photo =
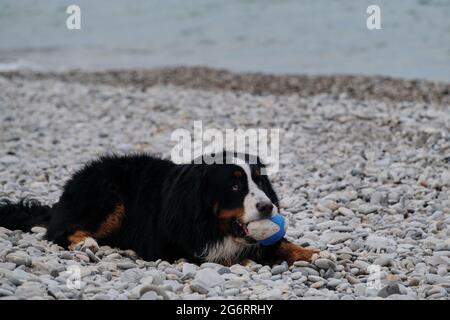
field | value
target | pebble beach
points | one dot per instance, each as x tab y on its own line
364	177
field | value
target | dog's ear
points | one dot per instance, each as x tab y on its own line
266	186
187	205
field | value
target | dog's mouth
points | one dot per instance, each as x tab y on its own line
241	228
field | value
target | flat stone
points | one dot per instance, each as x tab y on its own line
360	289
333	282
126	265
318	284
173	271
279	269
301	264
377	198
434	279
209	277
198	287
307	271
9	159
384	261
315	278
335	237
342	229
210	265
223	270
91	255
324	264
19	258
7	265
5	293
380	243
231	292
346	212
189	268
368	209
352	280
362	265
4	231
150	295
390	289
38	230
413	282
238	269
296	275
66	255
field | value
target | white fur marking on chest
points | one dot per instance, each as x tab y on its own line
226	251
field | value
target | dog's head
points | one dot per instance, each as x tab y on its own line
208	202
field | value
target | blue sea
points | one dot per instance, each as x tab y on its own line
271	36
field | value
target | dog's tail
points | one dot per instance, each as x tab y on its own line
24	214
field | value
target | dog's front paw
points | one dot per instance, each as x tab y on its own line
292	252
88	243
304	254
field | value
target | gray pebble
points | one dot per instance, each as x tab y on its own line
223	270
38	230
19	258
352	280
126	265
434	279
296	275
316	279
209	277
7	266
91	255
173	271
279	269
391	288
383	261
4	292
362	265
231	292
318	284
66	255
150	295
325	264
333	282
307	271
8	159
301	264
189	268
198	287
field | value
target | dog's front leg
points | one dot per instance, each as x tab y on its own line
286	251
291	252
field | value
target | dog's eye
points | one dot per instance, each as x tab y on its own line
235	187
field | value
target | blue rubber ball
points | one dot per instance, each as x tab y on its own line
279	220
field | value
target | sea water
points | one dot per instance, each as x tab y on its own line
272	36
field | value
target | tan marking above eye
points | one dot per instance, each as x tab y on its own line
231	213
237	174
257	172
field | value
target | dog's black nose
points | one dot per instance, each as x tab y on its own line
264	208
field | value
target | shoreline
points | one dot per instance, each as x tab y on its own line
358	87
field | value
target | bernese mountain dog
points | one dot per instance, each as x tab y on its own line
162	210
